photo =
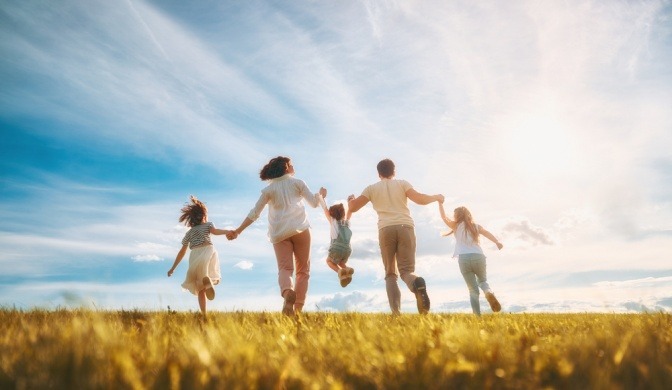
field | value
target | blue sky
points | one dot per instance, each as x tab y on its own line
550	121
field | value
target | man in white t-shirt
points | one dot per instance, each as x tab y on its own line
396	232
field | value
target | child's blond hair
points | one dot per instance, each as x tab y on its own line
462	214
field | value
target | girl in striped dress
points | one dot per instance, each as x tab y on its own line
203	272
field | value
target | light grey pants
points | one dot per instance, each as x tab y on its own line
472	266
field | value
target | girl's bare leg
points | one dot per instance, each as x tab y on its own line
201	301
332	265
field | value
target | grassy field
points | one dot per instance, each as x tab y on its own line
79	349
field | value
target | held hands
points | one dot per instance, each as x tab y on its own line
440	198
323	192
351	197
231	235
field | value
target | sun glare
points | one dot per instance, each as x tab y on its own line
540	146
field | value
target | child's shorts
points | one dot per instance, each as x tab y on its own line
339	255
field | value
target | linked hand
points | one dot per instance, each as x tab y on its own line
231	235
441	198
323	192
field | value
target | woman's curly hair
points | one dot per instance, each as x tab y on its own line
194	213
275	168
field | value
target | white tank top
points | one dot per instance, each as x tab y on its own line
464	243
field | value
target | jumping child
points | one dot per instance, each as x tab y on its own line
203	272
470	255
339	249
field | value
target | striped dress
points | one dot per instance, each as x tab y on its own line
203	259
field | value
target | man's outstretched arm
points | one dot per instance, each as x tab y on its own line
423	199
356	203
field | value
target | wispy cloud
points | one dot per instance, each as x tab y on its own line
244	265
347	302
118	66
650	281
523	230
365	248
142	258
147	28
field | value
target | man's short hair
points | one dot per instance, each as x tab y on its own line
386	168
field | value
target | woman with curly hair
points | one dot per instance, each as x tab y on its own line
203	272
288	228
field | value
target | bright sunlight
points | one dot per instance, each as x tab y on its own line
540	145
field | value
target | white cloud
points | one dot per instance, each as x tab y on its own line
574	218
144	258
355	301
365	248
644	282
159	293
151	246
523	230
244	265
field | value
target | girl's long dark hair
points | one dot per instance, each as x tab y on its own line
193	213
275	168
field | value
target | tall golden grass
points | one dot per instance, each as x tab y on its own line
80	349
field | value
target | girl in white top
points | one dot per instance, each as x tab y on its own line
203	272
470	255
288	228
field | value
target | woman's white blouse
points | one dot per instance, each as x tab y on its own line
286	212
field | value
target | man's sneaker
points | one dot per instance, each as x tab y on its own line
288	306
209	289
345	276
494	303
421	295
